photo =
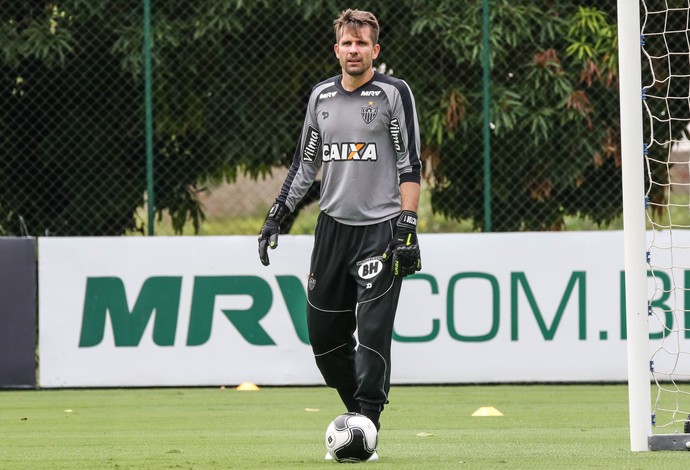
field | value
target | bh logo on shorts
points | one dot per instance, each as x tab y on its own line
370	267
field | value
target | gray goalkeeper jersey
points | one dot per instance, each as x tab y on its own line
366	142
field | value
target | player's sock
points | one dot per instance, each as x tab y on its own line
348	397
373	413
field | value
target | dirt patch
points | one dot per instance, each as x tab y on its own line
244	196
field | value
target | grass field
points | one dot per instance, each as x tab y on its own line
543	426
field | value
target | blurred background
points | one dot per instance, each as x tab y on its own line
519	127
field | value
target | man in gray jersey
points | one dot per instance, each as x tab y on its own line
361	130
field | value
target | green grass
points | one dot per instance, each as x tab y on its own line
544	426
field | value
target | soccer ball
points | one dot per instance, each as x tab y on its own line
351	437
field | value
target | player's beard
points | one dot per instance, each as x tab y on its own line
357	69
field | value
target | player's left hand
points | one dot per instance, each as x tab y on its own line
403	249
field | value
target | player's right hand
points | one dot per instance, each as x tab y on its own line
268	237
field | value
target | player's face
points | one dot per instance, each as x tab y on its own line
356	51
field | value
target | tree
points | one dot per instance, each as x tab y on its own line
554	114
69	165
230	86
73	159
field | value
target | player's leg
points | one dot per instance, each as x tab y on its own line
378	293
331	319
375	319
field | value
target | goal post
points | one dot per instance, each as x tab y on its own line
630	86
654	83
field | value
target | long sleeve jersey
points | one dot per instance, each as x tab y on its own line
365	141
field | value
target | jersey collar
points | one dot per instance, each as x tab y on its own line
339	84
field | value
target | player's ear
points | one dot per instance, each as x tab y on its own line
336	49
375	52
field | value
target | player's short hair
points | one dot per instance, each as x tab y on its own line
354	20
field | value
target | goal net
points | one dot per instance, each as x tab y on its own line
655	120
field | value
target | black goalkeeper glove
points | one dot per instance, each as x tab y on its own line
403	249
270	231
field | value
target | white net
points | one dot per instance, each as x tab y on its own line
665	41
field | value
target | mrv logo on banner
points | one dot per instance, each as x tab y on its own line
106	296
159	302
179	311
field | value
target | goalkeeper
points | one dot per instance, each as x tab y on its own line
361	130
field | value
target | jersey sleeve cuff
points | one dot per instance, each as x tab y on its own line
411	177
285	204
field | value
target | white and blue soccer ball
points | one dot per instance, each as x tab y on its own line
351	437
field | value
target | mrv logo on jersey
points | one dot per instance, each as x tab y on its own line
350	151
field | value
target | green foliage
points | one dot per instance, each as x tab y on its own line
44	36
73	160
553	114
231	79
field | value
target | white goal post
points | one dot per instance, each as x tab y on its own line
656	203
630	86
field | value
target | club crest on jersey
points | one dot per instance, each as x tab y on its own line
369	112
370	267
344	151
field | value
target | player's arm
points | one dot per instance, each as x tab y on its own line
409	195
403	250
305	164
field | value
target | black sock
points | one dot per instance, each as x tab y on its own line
374	414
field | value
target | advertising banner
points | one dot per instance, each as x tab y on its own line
164	311
17	312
